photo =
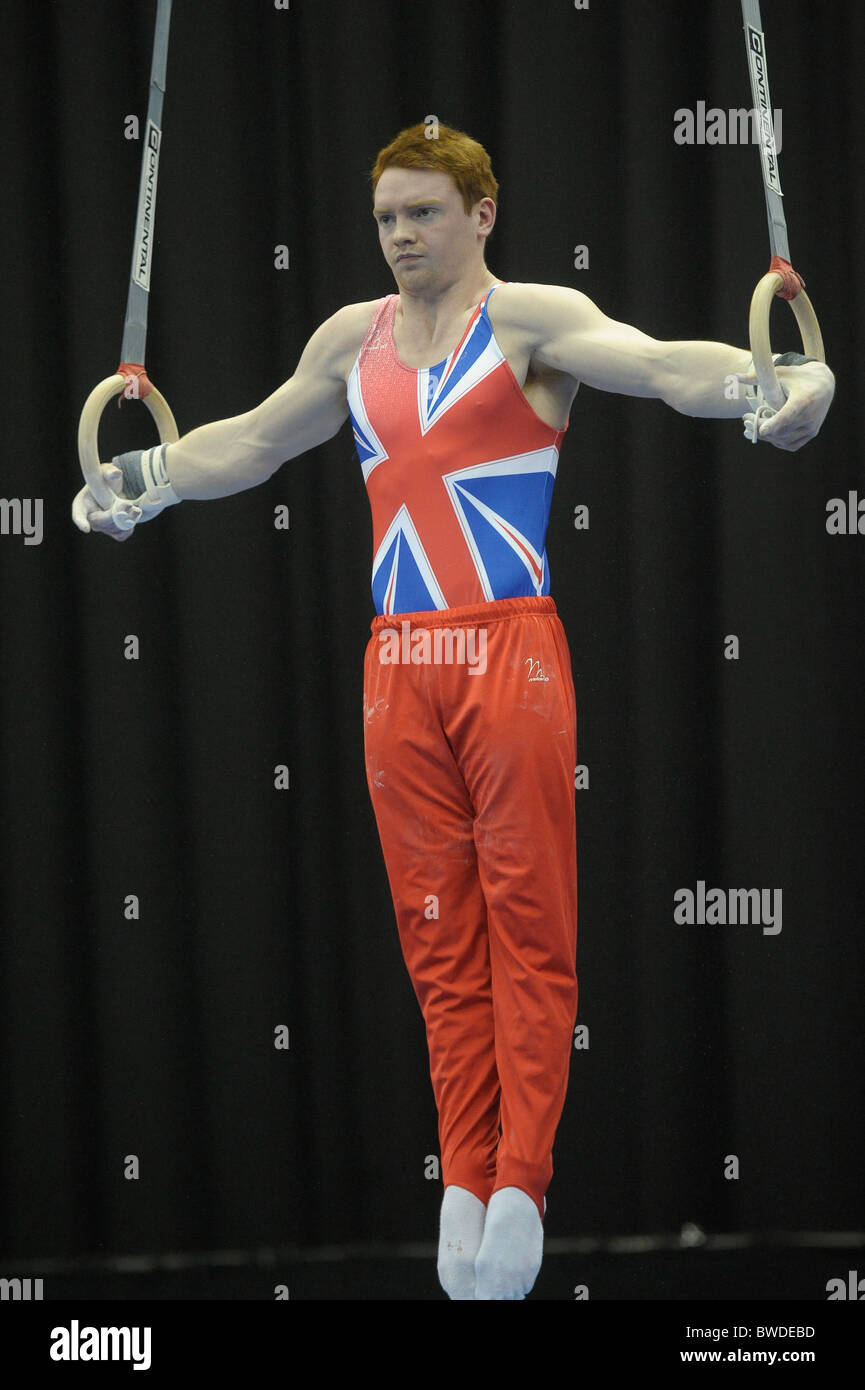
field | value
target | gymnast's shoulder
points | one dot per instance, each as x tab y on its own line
337	340
537	310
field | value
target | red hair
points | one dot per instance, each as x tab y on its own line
450	151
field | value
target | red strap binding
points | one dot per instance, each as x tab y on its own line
138	385
793	282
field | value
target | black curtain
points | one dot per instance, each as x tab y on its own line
149	1031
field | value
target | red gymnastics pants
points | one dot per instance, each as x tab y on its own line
470	766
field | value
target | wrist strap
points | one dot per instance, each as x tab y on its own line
145	474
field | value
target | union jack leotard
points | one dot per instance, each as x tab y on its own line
458	468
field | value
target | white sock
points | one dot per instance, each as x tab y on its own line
461	1230
512	1248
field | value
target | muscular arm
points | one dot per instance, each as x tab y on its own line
229	456
570	334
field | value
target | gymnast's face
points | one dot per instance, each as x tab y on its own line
427	237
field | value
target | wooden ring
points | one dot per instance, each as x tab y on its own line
88	431
758	332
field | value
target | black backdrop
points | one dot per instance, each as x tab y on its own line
154	1036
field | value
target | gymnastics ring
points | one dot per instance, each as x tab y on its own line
88	430
758	332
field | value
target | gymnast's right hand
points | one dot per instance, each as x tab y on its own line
89	515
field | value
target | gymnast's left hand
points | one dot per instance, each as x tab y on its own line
809	389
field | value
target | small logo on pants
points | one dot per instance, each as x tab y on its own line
536	670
